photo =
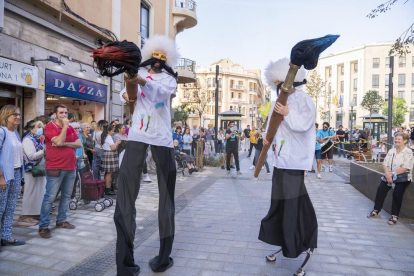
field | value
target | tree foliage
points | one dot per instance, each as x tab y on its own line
372	102
315	87
182	116
399	109
401	45
202	99
265	109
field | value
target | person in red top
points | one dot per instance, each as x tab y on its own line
61	142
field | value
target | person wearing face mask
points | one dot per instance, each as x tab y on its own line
33	155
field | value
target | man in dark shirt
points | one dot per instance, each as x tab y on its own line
341	146
232	147
247	138
412	135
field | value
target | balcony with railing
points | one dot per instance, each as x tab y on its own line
185	16
186	71
237	87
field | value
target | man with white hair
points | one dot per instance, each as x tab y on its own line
291	220
151	127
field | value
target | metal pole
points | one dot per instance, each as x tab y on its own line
390	103
216	107
352	114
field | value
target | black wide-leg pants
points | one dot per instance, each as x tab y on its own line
129	180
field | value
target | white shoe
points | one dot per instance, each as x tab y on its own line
252	167
330	169
145	178
239	172
322	168
319	176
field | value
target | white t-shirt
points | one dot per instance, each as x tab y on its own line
18	150
97	138
151	122
108	142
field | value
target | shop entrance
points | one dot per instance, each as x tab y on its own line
85	111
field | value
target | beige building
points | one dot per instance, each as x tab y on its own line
49	40
240	90
350	74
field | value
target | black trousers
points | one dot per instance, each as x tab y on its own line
397	196
129	180
251	148
235	152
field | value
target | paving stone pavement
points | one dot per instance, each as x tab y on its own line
217	224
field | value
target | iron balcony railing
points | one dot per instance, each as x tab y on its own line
186	4
186	64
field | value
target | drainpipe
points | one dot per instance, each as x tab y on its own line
1	15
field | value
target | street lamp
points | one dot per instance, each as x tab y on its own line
252	113
352	104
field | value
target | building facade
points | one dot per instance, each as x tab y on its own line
240	90
350	74
44	58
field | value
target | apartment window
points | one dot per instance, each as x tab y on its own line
185	94
387	80
239	95
330	71
329	87
342	86
354	98
232	95
231	83
401	62
355	84
342	70
386	95
375	81
412	80
411	114
240	83
355	67
375	63
401	94
144	22
401	80
387	62
412	97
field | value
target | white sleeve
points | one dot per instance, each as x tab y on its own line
30	150
109	140
304	119
158	92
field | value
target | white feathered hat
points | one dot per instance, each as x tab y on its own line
164	45
277	71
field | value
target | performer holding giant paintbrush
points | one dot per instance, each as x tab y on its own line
291	221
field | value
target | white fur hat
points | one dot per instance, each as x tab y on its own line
162	44
277	71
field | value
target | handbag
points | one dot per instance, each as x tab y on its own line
38	171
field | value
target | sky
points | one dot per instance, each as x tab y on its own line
254	32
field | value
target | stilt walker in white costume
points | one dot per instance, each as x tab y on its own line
151	127
291	220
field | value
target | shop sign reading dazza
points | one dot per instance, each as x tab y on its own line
69	86
18	73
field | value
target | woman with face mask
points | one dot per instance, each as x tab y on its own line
34	188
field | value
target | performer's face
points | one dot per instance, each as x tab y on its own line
156	66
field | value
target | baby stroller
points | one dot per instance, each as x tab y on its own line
88	189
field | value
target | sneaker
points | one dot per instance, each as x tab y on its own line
222	167
319	176
45	233
228	172
232	167
252	167
65	224
330	169
239	172
145	178
268	173
27	222
322	168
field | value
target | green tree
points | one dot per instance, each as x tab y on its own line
372	102
315	87
182	116
399	109
265	109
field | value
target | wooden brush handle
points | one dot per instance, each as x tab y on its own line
132	90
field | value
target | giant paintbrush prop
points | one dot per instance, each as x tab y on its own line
306	54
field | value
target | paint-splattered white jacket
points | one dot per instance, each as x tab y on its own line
151	122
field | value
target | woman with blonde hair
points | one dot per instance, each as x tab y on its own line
397	167
35	185
11	170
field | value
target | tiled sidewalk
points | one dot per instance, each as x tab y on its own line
217	224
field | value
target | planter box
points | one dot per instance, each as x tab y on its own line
367	181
